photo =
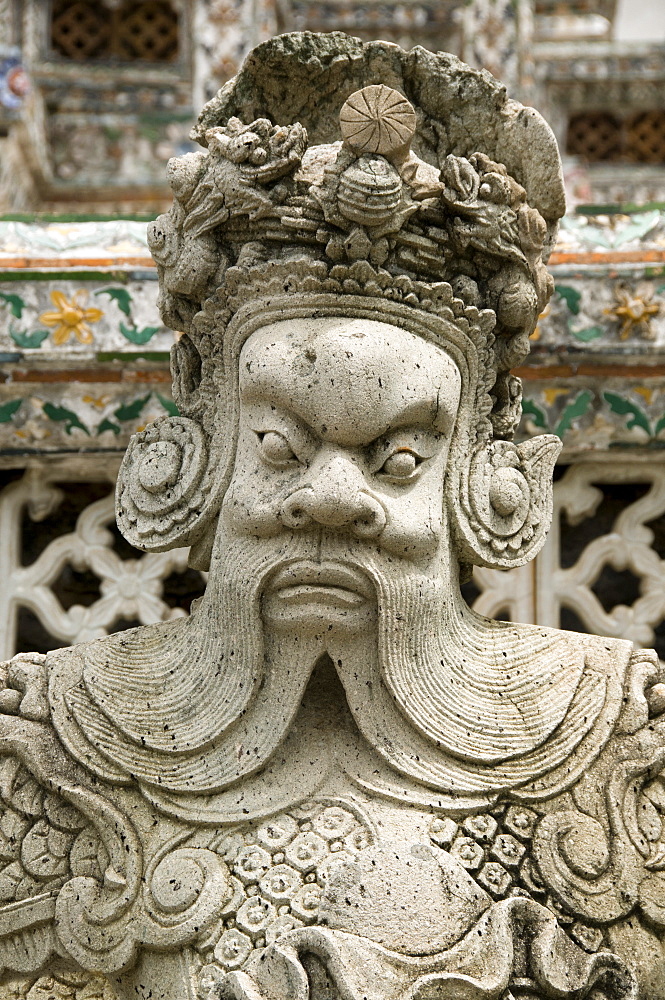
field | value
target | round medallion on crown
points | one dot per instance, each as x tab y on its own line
377	119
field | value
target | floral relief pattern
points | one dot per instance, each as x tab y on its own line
71	317
65	411
40	316
129	589
634	310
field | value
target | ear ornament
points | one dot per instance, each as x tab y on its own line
163	484
504	515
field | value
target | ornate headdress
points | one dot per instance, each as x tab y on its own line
344	177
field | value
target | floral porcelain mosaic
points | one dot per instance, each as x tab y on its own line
334	780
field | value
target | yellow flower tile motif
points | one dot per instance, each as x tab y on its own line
551	395
98	401
71	317
646	393
634	310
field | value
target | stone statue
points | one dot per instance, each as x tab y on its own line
334	781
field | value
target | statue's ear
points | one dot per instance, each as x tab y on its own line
164	495
502	513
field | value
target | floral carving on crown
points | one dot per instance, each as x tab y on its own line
261	193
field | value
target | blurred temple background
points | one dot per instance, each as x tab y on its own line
96	95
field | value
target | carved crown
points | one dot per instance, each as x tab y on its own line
409	161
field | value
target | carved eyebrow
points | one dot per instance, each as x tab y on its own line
429	414
426	414
269	416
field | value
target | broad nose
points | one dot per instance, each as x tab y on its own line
336	498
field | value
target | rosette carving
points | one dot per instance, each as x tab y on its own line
185	890
377	119
163	483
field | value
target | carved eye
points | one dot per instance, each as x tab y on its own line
402	464
276	449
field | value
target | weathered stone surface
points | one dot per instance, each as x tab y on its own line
334	779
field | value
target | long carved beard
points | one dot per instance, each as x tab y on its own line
186	704
206	702
456	701
471	686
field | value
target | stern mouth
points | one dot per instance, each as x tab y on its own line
327	582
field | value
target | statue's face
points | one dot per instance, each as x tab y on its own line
344	432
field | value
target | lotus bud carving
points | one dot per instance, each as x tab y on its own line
461	180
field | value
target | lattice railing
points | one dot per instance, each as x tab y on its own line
602	568
68	576
603	136
645	137
130	30
594	136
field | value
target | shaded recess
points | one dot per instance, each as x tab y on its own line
37	535
614	587
122	624
31	636
73	586
576	537
180	589
121	546
571	622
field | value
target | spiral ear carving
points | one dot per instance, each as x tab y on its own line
164	485
503	512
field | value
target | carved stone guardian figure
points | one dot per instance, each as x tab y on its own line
335	781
